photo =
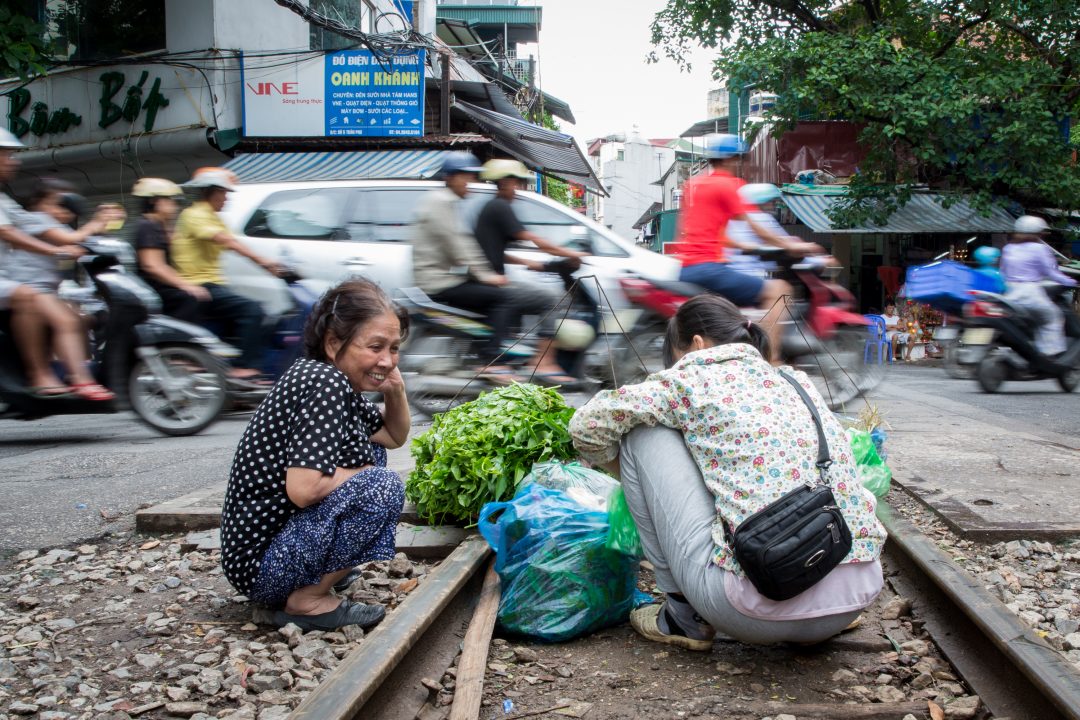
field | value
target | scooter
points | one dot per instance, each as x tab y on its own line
286	344
169	372
444	341
1005	335
823	335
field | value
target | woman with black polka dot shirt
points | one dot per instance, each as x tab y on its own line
309	496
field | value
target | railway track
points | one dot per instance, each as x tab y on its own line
1013	671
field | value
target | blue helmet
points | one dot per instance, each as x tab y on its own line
723	146
987	255
758	193
460	162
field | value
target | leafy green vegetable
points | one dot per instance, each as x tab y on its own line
479	452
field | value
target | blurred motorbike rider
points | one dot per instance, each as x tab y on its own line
710	201
449	265
33	311
198	242
1026	262
159	204
759	199
497	228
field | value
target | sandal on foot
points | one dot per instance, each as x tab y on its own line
93	392
343	584
49	391
499	377
347	613
644	620
557	379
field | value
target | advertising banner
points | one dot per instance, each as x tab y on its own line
345	93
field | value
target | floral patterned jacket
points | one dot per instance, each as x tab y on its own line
750	433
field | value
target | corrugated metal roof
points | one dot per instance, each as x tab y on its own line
550	152
292	167
924	213
492	14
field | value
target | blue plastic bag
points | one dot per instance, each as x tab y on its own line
559	580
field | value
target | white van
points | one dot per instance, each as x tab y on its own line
332	230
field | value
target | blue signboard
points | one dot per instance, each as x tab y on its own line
369	97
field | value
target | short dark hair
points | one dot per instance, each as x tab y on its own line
343	310
47	186
716	320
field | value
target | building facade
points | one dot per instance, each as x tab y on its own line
629	169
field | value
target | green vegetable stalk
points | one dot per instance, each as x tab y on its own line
479	452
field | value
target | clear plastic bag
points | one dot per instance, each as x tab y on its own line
874	474
559	578
576	480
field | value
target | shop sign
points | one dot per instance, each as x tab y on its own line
27	115
346	93
95	104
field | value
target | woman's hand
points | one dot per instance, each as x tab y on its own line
397	418
394	384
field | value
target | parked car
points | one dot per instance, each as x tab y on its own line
332	230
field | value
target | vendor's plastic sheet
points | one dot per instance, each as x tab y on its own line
559	578
874	474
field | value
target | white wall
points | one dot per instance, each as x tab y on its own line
630	182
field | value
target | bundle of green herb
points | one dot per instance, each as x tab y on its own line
480	451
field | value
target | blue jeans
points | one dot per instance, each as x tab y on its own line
741	289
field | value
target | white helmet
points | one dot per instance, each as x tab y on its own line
500	168
213	177
149	187
574	335
1030	225
8	141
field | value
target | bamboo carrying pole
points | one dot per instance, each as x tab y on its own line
469	683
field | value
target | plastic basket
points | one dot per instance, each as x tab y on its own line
945	285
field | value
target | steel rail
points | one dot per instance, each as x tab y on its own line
1006	663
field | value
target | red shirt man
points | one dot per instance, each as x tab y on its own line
709	202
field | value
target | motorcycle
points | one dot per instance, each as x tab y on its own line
286	343
1004	334
443	342
823	335
167	371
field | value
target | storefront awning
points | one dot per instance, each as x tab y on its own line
546	151
924	213
299	166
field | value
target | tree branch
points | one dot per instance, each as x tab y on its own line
872	11
983	17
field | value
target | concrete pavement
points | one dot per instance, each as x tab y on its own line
994	467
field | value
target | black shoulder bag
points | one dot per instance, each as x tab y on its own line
792	543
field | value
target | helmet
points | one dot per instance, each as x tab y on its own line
1030	225
8	141
723	145
758	193
574	335
987	255
156	187
460	162
499	169
213	177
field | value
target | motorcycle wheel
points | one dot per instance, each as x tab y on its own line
839	373
202	389
633	367
991	372
953	367
1070	380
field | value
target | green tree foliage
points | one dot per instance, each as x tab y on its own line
965	95
22	46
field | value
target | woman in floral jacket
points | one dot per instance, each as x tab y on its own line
711	440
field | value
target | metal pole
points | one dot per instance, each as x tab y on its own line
444	96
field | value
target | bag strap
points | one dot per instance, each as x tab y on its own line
823	459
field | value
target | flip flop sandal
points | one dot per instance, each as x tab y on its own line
93	392
643	620
500	377
347	613
556	379
344	583
46	391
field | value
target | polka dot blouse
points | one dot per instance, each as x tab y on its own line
311	418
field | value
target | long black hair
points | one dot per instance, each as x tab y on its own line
717	321
343	310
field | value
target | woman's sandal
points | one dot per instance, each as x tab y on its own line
344	583
643	619
347	613
93	392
